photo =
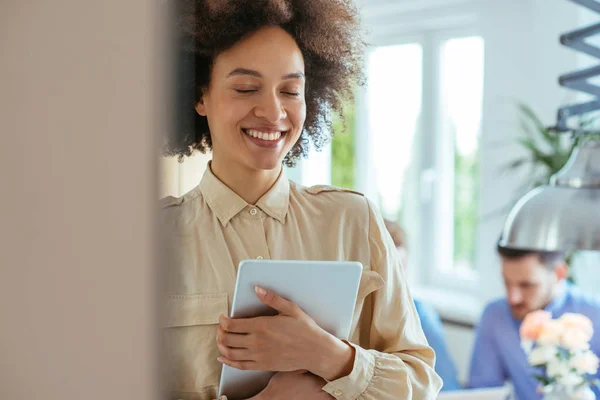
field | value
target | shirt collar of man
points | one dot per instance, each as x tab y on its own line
558	302
226	204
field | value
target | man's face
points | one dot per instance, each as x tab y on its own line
530	285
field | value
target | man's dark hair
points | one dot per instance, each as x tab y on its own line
326	31
550	259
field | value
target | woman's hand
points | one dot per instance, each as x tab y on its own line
296	385
289	341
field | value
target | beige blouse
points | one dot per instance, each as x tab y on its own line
208	231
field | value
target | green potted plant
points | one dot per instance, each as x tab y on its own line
546	152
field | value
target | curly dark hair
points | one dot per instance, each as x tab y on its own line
326	31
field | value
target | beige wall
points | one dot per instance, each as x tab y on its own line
77	199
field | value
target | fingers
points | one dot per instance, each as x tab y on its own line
238	340
234	354
236	325
277	302
246	325
242	365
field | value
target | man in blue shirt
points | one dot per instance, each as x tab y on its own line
533	281
430	321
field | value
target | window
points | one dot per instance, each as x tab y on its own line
342	149
457	97
461	96
394	105
422	107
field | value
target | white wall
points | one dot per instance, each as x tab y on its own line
523	62
587	264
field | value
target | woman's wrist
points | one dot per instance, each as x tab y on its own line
335	360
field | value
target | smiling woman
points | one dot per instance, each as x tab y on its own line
326	34
255	113
257	81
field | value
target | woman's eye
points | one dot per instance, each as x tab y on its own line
245	91
292	94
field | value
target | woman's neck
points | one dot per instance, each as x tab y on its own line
249	184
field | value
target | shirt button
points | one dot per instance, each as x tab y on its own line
259	257
337	392
253	211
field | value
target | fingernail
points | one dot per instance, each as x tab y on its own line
220	359
260	291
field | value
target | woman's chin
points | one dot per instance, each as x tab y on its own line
267	164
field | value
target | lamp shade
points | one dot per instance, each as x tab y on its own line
563	215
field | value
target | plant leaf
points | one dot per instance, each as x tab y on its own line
531	116
516	163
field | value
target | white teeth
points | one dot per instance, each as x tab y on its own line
263	135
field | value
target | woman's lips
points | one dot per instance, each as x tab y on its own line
265	138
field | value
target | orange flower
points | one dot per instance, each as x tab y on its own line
533	324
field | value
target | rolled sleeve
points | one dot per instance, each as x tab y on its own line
394	361
352	386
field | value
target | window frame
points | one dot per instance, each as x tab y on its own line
440	277
430	130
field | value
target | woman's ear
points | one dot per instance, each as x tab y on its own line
200	107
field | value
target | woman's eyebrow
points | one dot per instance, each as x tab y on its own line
244	71
294	75
251	72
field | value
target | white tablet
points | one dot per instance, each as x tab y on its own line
325	290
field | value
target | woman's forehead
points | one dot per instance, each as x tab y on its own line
268	51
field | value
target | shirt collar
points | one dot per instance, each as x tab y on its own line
556	305
226	204
276	201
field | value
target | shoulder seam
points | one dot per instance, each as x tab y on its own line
172	201
317	189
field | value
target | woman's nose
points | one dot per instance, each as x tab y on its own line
270	108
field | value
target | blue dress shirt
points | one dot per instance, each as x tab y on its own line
498	356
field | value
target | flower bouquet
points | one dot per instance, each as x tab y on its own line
560	352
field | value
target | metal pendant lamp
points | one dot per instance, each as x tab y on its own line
565	214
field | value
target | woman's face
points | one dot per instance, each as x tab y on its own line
255	102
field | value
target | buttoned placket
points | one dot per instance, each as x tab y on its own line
258	218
